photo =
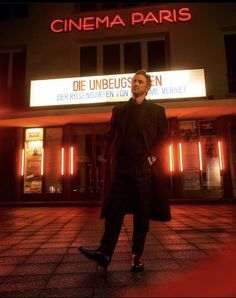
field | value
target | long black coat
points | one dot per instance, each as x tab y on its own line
153	126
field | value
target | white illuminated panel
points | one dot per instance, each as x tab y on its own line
115	88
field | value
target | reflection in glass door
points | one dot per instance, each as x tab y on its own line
201	156
88	143
82	180
100	163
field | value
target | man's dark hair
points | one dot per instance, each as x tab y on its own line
147	76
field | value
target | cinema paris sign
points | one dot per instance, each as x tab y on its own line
92	23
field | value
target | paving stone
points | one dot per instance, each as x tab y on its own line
21	293
74	292
70	280
39	254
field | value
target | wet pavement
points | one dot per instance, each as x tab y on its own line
39	251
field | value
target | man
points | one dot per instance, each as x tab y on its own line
135	178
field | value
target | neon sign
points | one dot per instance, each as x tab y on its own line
92	23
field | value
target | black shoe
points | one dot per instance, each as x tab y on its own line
95	255
137	263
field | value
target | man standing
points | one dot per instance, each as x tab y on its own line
136	173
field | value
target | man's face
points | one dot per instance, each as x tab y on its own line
139	86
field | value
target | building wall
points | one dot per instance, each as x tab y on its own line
198	43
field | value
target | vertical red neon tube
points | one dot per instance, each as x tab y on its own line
62	161
220	155
22	162
171	160
71	160
180	157
42	162
200	155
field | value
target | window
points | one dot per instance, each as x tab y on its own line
4	69
93	6
200	155
109	5
33	160
132	57
17	95
12	78
88	61
156	55
230	50
9	11
124	56
129	4
111	59
85	6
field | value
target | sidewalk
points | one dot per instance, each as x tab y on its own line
39	255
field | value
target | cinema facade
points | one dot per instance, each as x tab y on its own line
64	66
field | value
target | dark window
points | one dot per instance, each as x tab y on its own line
132	57
12	88
4	64
5	12
21	10
17	95
129	4
10	11
85	6
111	59
156	55
230	50
109	5
88	61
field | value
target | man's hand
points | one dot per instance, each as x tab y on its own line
151	159
101	158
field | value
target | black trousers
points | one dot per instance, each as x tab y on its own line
130	193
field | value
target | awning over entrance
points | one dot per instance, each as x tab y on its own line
59	116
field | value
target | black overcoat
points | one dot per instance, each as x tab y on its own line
153	126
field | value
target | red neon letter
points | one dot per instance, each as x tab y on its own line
150	18
72	24
117	21
102	21
136	17
88	26
53	26
184	14
165	15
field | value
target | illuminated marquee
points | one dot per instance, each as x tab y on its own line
136	18
115	88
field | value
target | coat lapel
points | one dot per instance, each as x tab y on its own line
142	121
124	118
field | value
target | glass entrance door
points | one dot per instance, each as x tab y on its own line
88	144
